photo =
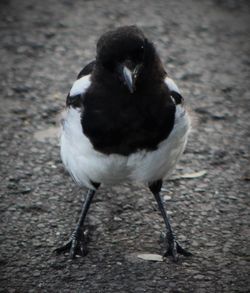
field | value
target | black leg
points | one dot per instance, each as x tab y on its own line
76	244
173	246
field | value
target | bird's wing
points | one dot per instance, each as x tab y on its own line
174	91
80	85
87	69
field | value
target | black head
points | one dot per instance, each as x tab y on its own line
124	51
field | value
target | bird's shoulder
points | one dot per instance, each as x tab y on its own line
173	90
88	69
80	86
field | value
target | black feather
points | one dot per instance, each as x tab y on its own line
115	120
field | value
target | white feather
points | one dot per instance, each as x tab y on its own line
171	85
80	86
86	164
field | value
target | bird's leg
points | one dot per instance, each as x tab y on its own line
76	244
174	247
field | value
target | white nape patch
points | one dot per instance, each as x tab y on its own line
172	85
86	164
80	86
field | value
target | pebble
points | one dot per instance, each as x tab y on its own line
167	197
36	243
36	273
198	277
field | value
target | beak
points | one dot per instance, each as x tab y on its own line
129	77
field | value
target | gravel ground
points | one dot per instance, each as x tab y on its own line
205	46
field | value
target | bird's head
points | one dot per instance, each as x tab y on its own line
125	52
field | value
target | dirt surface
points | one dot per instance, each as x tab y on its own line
205	46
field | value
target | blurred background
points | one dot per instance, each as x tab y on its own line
205	48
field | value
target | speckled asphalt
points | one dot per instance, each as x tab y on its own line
205	46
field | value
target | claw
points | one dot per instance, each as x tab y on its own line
174	249
182	251
63	248
75	246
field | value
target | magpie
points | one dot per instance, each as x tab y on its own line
125	121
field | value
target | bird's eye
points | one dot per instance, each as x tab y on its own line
136	55
139	51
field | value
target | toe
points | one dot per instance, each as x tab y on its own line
174	250
182	251
73	249
63	248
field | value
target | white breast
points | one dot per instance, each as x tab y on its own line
86	164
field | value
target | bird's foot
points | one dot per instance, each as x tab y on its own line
75	246
174	250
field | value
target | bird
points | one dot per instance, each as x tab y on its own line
125	121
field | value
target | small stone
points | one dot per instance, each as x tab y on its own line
36	243
166	197
12	186
182	237
26	190
118	219
195	243
36	273
14	179
199	277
